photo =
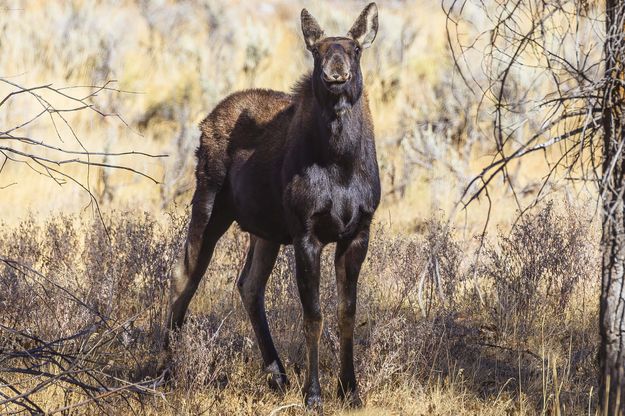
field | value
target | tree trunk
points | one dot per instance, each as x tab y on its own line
612	307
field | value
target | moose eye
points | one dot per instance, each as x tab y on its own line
357	49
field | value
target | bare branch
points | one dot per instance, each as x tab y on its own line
40	155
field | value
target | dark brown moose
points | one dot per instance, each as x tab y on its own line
297	169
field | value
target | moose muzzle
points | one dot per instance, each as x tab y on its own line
336	68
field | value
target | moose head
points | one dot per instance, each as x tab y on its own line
337	59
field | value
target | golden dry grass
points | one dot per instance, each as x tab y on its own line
180	59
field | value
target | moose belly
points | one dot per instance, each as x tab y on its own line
257	205
263	220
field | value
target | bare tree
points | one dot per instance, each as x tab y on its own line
552	74
612	310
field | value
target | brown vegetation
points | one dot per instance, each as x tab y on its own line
521	350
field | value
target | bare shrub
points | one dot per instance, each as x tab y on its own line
535	270
83	305
411	294
444	266
98	298
202	353
426	270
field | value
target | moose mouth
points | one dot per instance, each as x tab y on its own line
337	81
335	85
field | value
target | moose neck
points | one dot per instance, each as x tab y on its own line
338	121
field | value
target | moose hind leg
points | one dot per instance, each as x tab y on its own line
260	260
210	218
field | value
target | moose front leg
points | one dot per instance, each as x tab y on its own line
348	259
307	271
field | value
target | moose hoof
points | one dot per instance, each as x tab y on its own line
350	397
276	377
314	403
278	382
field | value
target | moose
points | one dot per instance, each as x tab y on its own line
296	169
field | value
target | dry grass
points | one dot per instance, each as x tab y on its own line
181	58
431	349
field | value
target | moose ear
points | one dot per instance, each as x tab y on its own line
311	29
366	26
